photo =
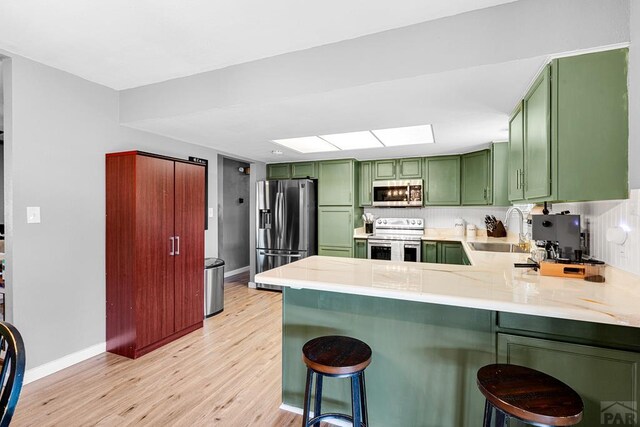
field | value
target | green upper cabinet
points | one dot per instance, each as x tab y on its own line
336	224
516	154
397	169
500	173
279	171
537	138
442	180
304	170
572	122
476	178
590	126
366	183
336	182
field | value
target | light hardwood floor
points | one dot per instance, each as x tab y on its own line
225	374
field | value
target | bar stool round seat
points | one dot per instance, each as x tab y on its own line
338	357
528	395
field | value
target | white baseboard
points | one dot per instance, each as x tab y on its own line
64	362
252	285
296	410
236	271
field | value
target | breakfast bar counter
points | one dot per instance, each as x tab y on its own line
432	326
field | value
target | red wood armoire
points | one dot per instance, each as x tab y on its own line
155	250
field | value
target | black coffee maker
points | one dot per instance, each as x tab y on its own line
559	235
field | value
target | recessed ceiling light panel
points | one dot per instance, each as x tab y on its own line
405	136
353	140
307	144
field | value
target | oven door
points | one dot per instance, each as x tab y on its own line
379	249
411	251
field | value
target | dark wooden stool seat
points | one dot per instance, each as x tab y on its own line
528	395
341	357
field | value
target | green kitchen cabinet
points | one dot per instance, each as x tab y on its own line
304	170
476	178
337	252
601	376
500	173
360	248
442	181
429	252
397	169
465	258
516	154
337	183
279	171
537	138
335	226
450	253
590	127
572	122
366	183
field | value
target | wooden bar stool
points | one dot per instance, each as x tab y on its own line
527	395
338	357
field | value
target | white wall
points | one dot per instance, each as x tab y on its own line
58	129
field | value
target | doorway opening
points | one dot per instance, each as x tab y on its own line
234	216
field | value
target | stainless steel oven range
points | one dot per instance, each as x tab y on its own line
396	239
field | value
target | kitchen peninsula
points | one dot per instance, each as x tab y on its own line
431	326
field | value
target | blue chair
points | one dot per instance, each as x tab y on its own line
12	360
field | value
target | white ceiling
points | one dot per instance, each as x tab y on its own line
252	71
124	43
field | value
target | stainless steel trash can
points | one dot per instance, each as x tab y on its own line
213	286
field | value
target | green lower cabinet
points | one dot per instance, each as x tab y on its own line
360	248
476	178
429	251
604	378
304	170
279	171
338	252
450	253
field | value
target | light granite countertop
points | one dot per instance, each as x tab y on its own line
490	283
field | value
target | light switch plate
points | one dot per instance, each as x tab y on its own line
33	214
210	212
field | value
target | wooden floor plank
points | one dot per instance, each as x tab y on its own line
225	374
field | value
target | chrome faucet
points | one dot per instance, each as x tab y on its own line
521	237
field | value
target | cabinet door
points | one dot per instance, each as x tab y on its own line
303	170
442	186
335	227
279	171
384	169
537	139
602	377
189	235
516	155
500	173
154	292
591	125
365	183
450	253
360	248
336	183
429	252
409	168
476	178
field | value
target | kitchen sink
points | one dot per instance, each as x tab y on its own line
496	247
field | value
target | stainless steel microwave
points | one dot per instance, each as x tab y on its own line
397	193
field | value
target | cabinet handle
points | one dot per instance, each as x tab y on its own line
523	184
485	194
517	179
177	245
173	246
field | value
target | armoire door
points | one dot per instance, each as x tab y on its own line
154	230
189	234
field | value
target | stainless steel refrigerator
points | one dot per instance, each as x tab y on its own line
285	223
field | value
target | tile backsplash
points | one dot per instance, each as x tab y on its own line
597	217
442	217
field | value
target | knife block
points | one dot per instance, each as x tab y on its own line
499	231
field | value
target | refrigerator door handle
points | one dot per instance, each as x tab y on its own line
281	211
282	255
